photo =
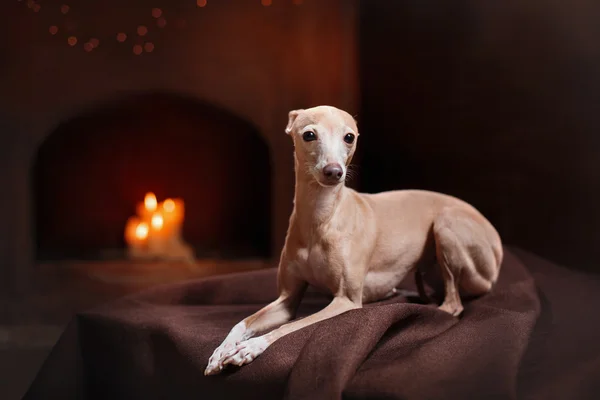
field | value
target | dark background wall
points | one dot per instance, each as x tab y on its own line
495	102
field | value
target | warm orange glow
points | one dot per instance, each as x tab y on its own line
149	47
157	222
64	9
141	231
297	2
142	30
201	3
72	40
156	12
265	2
137	49
169	205
53	30
150	201
121	37
156	230
130	228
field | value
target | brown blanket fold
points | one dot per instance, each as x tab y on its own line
534	337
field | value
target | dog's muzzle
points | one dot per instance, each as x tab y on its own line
332	174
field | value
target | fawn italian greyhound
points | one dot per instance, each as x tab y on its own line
357	246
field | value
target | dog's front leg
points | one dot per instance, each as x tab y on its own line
245	352
276	313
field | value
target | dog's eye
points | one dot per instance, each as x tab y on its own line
349	138
309	136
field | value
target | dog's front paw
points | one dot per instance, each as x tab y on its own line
246	352
215	362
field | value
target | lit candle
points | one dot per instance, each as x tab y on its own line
131	236
173	211
158	237
150	201
136	233
141	231
147	208
168	205
157	222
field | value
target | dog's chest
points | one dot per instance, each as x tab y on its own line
318	265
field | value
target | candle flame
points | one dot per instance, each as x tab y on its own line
157	221
141	231
150	201
169	205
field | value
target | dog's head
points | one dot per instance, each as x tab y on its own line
324	140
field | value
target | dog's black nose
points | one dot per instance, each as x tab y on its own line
333	171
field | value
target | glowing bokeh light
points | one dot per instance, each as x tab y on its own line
157	221
150	199
142	30
141	231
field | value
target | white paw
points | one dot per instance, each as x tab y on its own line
246	352
235	336
215	362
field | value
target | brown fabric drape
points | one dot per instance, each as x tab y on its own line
536	336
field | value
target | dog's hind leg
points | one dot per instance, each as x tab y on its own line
465	256
449	260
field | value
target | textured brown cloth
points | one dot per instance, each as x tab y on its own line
537	336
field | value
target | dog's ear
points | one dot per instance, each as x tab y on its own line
292	115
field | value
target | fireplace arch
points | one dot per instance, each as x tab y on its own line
93	169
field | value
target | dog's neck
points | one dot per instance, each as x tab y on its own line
315	205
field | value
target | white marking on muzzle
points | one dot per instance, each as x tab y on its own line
332	151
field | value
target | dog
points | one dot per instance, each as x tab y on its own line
359	247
